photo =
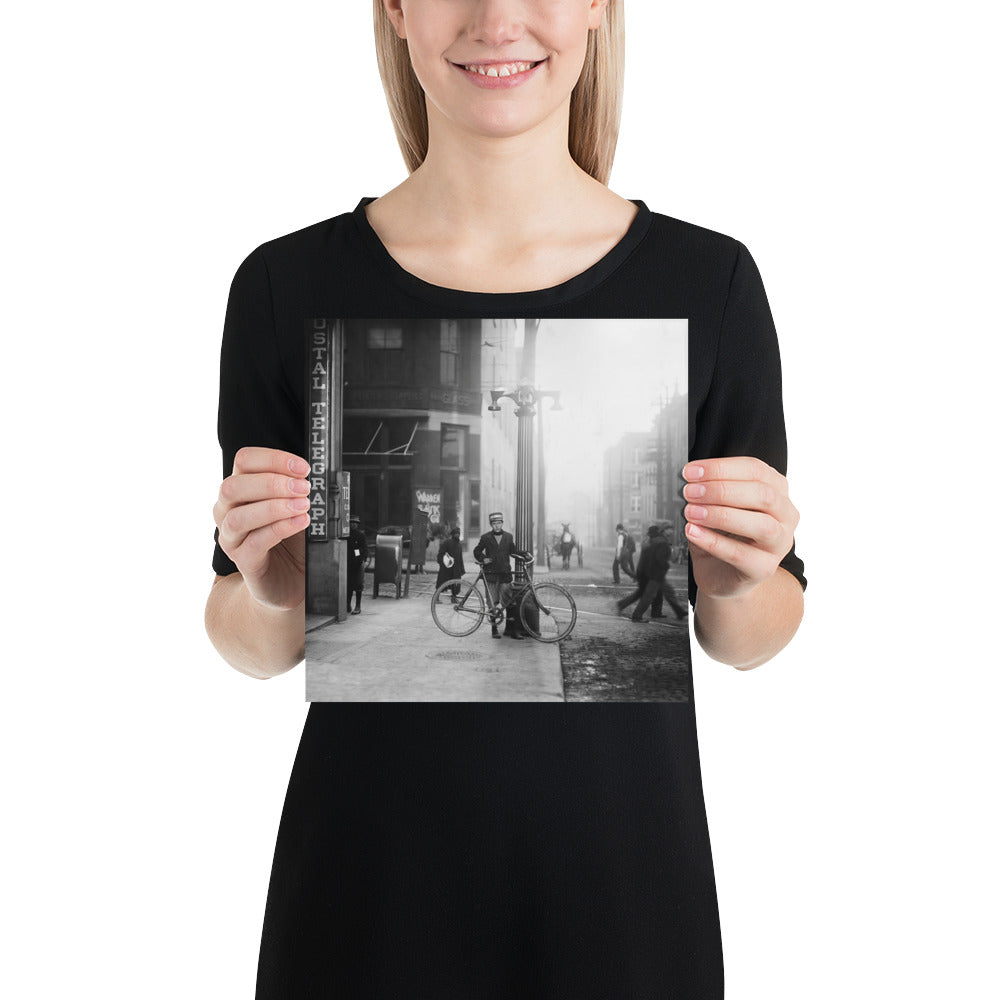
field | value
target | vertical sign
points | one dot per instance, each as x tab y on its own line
344	483
319	430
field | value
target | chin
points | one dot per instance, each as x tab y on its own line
502	123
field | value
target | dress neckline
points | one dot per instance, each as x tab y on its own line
572	288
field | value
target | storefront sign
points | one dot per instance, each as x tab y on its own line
319	430
428	499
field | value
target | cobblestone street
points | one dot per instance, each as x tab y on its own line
609	658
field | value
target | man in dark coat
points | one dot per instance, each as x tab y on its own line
450	564
494	551
650	575
666	590
641	573
357	553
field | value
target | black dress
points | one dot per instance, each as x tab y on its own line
478	851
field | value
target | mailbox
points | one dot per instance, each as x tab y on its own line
388	562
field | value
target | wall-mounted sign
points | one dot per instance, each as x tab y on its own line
428	499
344	498
319	430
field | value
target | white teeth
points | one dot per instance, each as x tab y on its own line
507	69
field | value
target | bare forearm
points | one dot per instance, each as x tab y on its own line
256	640
747	631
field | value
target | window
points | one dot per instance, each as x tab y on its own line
637	456
474	507
384	355
636	480
453	446
636	505
449	352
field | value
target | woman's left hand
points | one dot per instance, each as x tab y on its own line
740	523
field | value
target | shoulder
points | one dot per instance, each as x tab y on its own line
700	246
305	247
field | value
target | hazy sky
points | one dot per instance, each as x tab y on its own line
611	374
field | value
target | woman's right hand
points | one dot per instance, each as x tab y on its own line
261	514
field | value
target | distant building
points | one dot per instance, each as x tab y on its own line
625	495
641	475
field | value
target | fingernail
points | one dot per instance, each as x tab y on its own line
298	486
298	466
694	491
697	512
694	472
694	531
299	503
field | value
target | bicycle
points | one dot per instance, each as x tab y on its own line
547	611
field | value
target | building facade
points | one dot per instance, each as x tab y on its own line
416	431
641	474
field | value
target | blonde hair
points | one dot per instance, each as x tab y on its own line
595	106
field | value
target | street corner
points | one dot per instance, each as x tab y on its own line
393	651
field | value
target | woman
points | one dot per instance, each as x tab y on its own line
501	850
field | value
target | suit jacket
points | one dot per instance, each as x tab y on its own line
498	549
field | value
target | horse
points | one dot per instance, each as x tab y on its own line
566	544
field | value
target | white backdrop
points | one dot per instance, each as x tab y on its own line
848	782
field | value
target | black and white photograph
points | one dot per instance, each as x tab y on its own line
186	190
496	510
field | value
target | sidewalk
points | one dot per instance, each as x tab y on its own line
393	651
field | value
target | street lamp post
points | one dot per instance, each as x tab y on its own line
527	398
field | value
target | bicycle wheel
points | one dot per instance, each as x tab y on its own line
548	612
458	608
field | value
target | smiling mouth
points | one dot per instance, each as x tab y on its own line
499	69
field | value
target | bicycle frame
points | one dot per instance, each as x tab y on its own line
539	618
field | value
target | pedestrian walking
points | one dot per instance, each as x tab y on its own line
645	583
666	590
450	564
494	551
357	555
657	589
624	548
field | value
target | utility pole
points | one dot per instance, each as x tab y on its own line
660	463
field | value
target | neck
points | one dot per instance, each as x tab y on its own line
490	186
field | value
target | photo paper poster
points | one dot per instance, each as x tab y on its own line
496	510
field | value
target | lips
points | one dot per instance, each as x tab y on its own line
499	75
